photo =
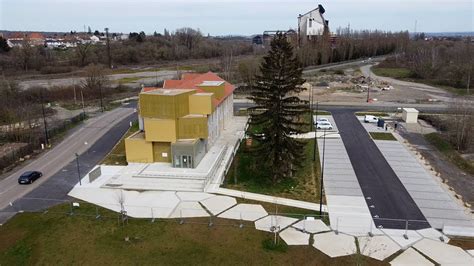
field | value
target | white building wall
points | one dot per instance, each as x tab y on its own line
312	24
219	119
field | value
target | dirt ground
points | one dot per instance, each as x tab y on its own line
350	85
9	148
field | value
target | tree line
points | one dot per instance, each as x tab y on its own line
443	62
350	44
185	43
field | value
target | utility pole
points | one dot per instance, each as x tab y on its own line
78	169
46	138
368	86
322	176
108	47
75	96
101	102
315	132
310	96
469	79
83	108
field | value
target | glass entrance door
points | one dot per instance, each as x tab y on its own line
187	161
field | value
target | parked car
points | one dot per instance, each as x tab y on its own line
319	119
324	125
371	119
29	177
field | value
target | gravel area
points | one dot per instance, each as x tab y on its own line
459	180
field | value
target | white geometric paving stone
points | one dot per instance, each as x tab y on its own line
432	233
377	247
266	223
311	226
444	254
335	245
193	196
187	209
246	212
471	252
410	257
397	236
294	237
218	204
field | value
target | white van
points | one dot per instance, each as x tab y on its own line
371	119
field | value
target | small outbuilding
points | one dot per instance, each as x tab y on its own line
410	115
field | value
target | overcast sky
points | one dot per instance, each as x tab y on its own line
236	17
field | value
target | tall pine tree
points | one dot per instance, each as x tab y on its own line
278	111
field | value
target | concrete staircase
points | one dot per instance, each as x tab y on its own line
161	183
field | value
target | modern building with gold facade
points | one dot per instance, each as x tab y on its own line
181	121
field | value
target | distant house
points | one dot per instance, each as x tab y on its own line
94	39
312	24
258	40
17	39
61	42
268	35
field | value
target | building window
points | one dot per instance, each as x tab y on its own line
310	22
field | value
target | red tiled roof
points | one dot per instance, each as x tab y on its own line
147	89
192	80
21	35
36	35
171	83
189	76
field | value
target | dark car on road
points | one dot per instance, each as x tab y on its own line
29	177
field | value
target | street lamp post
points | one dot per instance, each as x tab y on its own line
322	176
78	169
46	136
315	131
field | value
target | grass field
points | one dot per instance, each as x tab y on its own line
378	114
398	73
117	155
58	239
247	174
382	136
449	152
128	80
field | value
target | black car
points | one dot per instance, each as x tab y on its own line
29	177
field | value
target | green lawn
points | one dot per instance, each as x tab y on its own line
59	239
128	80
395	72
378	114
449	152
382	136
117	155
247	174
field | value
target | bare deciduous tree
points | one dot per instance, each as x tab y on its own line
82	51
461	124
96	80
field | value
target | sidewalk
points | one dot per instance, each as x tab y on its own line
436	204
348	210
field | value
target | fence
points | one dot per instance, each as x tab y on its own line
34	137
125	213
8	160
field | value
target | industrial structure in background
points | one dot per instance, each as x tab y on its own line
181	121
311	25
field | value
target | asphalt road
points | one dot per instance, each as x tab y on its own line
356	107
59	166
385	195
433	92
